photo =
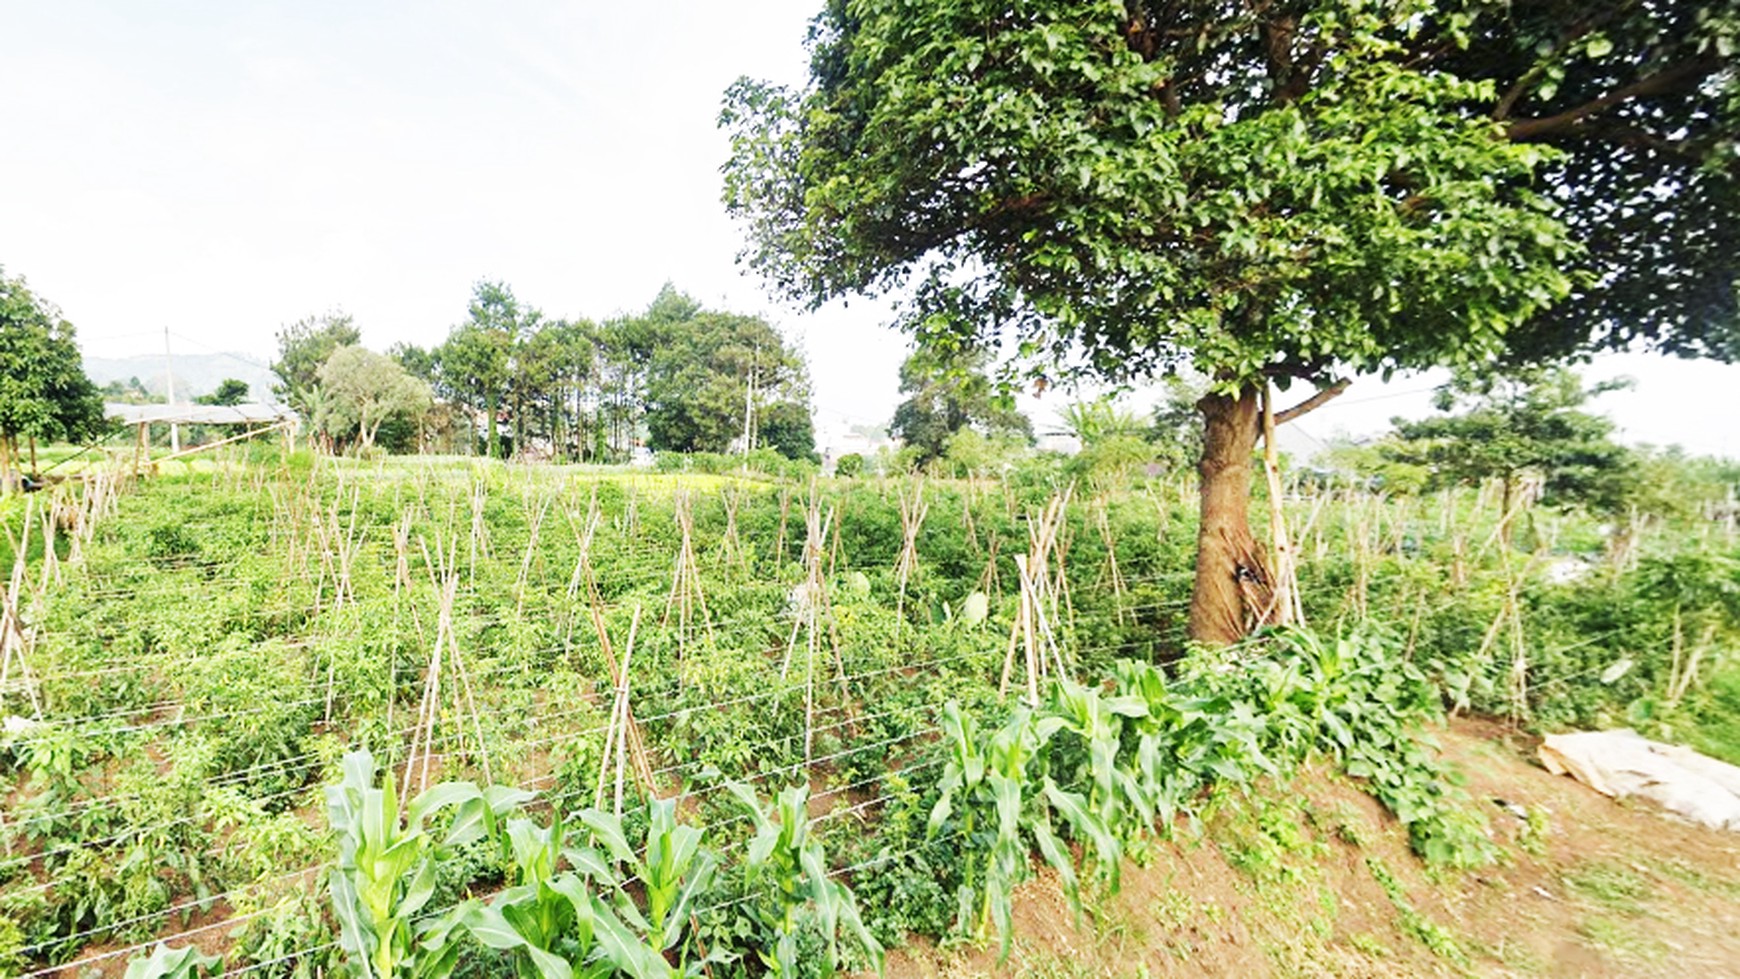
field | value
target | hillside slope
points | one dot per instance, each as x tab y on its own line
1314	878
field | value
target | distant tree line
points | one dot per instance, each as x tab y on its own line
509	381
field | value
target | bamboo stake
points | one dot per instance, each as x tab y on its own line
1283	580
686	595
520	582
1111	574
620	719
912	513
13	640
784	511
731	550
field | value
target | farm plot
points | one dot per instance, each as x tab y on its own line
893	669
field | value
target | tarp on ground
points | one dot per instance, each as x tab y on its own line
1623	763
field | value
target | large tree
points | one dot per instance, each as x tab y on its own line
302	347
230	391
1273	192
1523	423
716	379
947	391
476	362
362	389
44	393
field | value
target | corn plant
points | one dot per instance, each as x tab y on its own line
788	861
673	868
990	781
551	921
387	863
1120	807
172	963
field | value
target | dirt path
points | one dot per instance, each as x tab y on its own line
1315	879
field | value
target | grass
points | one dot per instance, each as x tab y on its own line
1717	732
1696	879
1608	886
1621	940
1437	939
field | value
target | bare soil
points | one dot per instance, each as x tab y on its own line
1594	888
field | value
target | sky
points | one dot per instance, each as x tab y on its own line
220	169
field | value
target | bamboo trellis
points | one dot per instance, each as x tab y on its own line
687	599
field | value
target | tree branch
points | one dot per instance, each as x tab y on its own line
1516	92
1686	74
1316	401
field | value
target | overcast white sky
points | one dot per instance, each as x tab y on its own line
223	168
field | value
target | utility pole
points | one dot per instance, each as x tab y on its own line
169	375
749	404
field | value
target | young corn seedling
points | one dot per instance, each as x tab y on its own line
673	869
172	963
386	867
992	784
552	922
786	858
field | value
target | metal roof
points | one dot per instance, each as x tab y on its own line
190	414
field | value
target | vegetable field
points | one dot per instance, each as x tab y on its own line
427	717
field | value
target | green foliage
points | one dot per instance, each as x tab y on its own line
708	368
786	863
184	740
1093	422
362	389
475	364
303	347
1105	768
229	392
1525	423
947	393
167	963
849	466
387	865
1091	191
969	455
553	923
44	393
1664	260
1368	706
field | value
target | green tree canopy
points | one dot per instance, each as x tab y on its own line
302	347
787	428
230	391
946	391
361	389
44	393
1641	101
1526	423
1268	191
475	364
710	372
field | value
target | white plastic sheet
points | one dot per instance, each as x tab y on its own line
1623	763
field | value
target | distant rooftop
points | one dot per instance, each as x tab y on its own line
191	414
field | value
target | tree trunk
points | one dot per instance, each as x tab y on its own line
1505	517
519	422
1228	563
6	479
494	450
